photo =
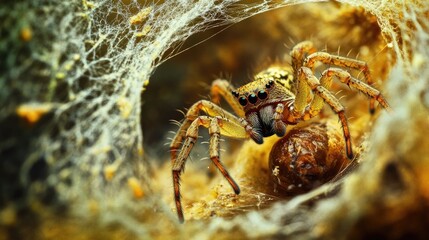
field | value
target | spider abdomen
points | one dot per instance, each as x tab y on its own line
307	157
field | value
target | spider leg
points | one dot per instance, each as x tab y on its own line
340	61
210	109
279	126
221	87
179	163
318	102
299	52
215	131
306	76
216	126
302	98
346	78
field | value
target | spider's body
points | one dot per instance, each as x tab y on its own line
278	96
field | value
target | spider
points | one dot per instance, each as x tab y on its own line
278	96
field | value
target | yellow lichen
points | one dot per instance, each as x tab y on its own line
125	107
143	32
26	34
32	112
140	16
110	171
135	187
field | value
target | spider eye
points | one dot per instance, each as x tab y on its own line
269	84
252	98
242	101
235	93
262	94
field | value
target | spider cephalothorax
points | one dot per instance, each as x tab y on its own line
278	96
264	99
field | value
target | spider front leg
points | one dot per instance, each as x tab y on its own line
308	82
340	61
299	52
345	77
221	87
363	87
203	105
223	123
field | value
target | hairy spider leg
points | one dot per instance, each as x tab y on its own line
361	86
221	87
224	123
279	125
306	77
209	108
345	77
299	52
340	61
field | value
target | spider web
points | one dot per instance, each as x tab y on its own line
82	66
